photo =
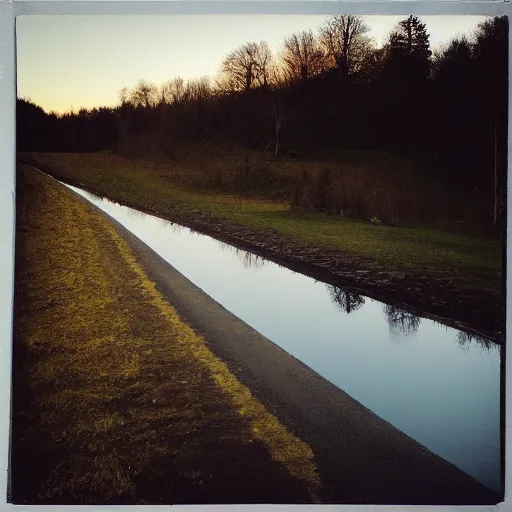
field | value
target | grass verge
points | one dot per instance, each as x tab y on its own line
116	400
466	261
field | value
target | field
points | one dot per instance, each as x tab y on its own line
459	265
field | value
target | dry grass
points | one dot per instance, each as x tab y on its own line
246	172
362	185
363	192
119	400
359	194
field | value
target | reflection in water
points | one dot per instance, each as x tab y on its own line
345	300
442	393
402	324
249	259
176	228
465	339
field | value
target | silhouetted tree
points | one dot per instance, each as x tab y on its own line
470	108
409	50
246	68
345	43
301	56
32	125
124	96
173	90
144	94
404	92
453	74
491	73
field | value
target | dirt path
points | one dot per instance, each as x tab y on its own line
360	457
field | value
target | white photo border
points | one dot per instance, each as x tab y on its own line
9	10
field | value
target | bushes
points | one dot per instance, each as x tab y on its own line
238	175
359	194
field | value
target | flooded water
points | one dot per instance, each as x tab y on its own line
438	385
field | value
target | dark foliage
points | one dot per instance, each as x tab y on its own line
87	131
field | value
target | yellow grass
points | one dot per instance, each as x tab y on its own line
118	379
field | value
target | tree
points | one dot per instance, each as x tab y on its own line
405	86
301	56
246	68
454	138
452	65
32	127
470	82
343	38
173	91
124	96
197	90
144	94
409	50
491	72
372	64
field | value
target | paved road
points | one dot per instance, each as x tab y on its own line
362	458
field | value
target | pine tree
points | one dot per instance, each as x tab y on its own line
409	50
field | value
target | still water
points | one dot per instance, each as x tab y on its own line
438	385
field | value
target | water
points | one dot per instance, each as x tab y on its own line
438	385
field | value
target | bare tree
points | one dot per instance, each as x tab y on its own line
301	56
124	96
198	89
144	94
246	68
343	38
173	90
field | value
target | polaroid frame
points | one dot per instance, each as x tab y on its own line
9	10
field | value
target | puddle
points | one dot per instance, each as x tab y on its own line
438	385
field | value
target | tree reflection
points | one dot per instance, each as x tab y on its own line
464	340
249	259
177	229
345	300
402	324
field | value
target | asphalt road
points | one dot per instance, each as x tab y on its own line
362	458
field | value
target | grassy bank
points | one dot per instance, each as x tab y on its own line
116	400
467	261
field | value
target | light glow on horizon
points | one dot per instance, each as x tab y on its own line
69	62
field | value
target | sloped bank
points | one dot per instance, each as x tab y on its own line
115	399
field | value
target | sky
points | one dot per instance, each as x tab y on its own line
68	62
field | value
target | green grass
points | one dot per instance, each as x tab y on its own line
470	261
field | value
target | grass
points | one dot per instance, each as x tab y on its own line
116	399
467	260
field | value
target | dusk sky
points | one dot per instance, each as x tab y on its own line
68	62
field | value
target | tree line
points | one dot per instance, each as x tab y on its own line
333	89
